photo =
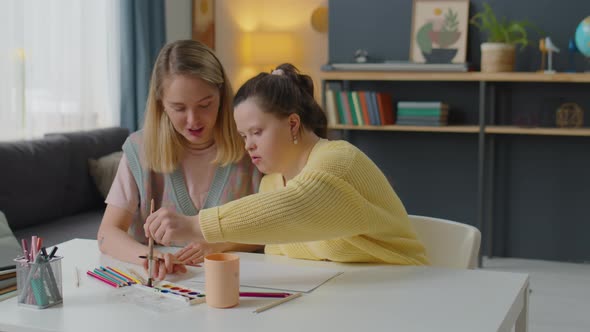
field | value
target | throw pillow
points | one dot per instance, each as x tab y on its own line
9	246
103	171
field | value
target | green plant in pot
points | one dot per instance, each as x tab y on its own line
498	53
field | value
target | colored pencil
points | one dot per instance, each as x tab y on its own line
76	277
94	275
264	294
276	303
122	276
121	280
108	277
125	275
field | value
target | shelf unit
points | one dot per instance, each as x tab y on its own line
498	130
486	128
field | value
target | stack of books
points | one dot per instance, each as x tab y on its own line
420	113
7	282
9	250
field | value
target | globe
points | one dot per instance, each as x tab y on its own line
583	37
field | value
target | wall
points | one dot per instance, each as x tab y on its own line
178	19
383	28
541	184
235	19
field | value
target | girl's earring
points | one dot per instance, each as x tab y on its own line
295	141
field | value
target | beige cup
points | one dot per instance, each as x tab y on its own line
222	280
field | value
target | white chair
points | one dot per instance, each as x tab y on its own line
448	243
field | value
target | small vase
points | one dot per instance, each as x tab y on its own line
497	57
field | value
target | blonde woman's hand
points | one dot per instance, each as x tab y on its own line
167	226
195	252
163	267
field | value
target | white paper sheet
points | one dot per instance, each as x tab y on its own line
272	276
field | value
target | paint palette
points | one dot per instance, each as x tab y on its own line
175	292
169	288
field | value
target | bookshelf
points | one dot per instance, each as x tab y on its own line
427	129
487	127
463	77
499	130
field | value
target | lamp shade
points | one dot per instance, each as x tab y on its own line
268	48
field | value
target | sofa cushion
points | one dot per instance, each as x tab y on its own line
103	171
9	246
81	193
32	178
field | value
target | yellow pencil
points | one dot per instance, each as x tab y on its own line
125	275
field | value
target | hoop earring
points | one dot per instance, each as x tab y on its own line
295	141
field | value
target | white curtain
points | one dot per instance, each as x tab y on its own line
59	66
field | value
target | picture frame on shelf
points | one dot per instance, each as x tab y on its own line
204	22
439	31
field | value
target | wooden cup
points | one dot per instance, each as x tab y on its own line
222	280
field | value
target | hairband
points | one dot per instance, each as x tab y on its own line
278	72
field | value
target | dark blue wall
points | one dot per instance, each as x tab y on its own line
541	183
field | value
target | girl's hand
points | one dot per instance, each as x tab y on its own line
167	226
195	252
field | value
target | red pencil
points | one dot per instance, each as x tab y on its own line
264	294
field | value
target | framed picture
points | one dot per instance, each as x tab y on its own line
204	22
439	31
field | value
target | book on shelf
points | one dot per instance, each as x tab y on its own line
367	119
422	104
421	112
358	107
331	110
354	109
392	65
7	293
422	118
374	108
7	282
403	122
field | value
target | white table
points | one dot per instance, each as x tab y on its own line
363	298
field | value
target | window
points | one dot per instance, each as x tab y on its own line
59	66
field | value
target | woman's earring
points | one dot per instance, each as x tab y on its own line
295	141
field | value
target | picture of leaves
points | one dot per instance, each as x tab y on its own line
441	33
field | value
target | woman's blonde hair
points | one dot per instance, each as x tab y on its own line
164	147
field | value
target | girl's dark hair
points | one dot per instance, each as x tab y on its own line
283	93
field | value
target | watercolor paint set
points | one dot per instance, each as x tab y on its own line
175	292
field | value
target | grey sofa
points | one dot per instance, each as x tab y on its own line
46	188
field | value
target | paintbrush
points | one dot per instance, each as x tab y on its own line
150	256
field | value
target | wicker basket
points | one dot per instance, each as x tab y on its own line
497	57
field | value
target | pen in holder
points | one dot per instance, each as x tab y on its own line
39	283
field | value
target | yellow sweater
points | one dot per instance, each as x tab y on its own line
340	207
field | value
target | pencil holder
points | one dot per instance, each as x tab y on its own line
39	283
222	280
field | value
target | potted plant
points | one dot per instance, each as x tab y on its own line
498	53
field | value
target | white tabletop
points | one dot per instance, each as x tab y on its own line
363	298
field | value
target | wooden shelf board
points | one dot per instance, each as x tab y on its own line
445	76
514	130
506	130
433	129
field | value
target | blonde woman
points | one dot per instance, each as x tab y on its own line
189	156
321	199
